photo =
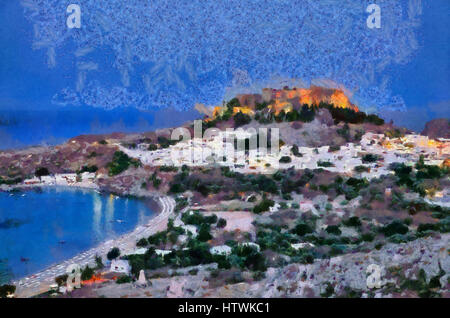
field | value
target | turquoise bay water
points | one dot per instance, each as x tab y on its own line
42	227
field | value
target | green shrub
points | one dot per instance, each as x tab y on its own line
158	238
374	119
361	169
87	273
395	227
302	229
113	253
98	262
142	242
285	159
263	206
241	119
337	249
352	221
295	151
90	169
334	148
196	218
247	256
177	188
120	163
333	229
168	169
325	164
367	237
11	181
203	233
233	103
368	158
221	223
123	279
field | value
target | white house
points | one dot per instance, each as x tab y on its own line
120	266
275	207
162	252
220	250
298	246
251	244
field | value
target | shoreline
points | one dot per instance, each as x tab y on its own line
59	180
40	282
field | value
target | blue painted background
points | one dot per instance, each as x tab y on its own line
132	61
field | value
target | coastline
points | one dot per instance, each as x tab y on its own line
40	282
59	180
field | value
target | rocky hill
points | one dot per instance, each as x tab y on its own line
437	128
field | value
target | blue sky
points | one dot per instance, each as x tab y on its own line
135	79
424	82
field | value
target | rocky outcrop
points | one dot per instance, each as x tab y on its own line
437	128
400	266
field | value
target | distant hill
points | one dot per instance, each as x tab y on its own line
437	128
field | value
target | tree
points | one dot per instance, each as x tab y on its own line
333	229
113	253
121	162
321	163
241	119
42	171
307	114
369	158
352	221
261	106
263	206
285	159
87	273
302	229
98	262
123	279
6	290
374	119
395	227
142	242
233	103
295	151
203	233
177	188
361	169
221	223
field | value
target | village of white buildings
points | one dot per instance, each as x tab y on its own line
219	150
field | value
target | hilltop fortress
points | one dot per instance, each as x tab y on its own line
287	99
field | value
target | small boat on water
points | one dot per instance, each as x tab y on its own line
24	259
62	242
120	221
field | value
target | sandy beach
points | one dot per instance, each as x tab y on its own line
40	282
